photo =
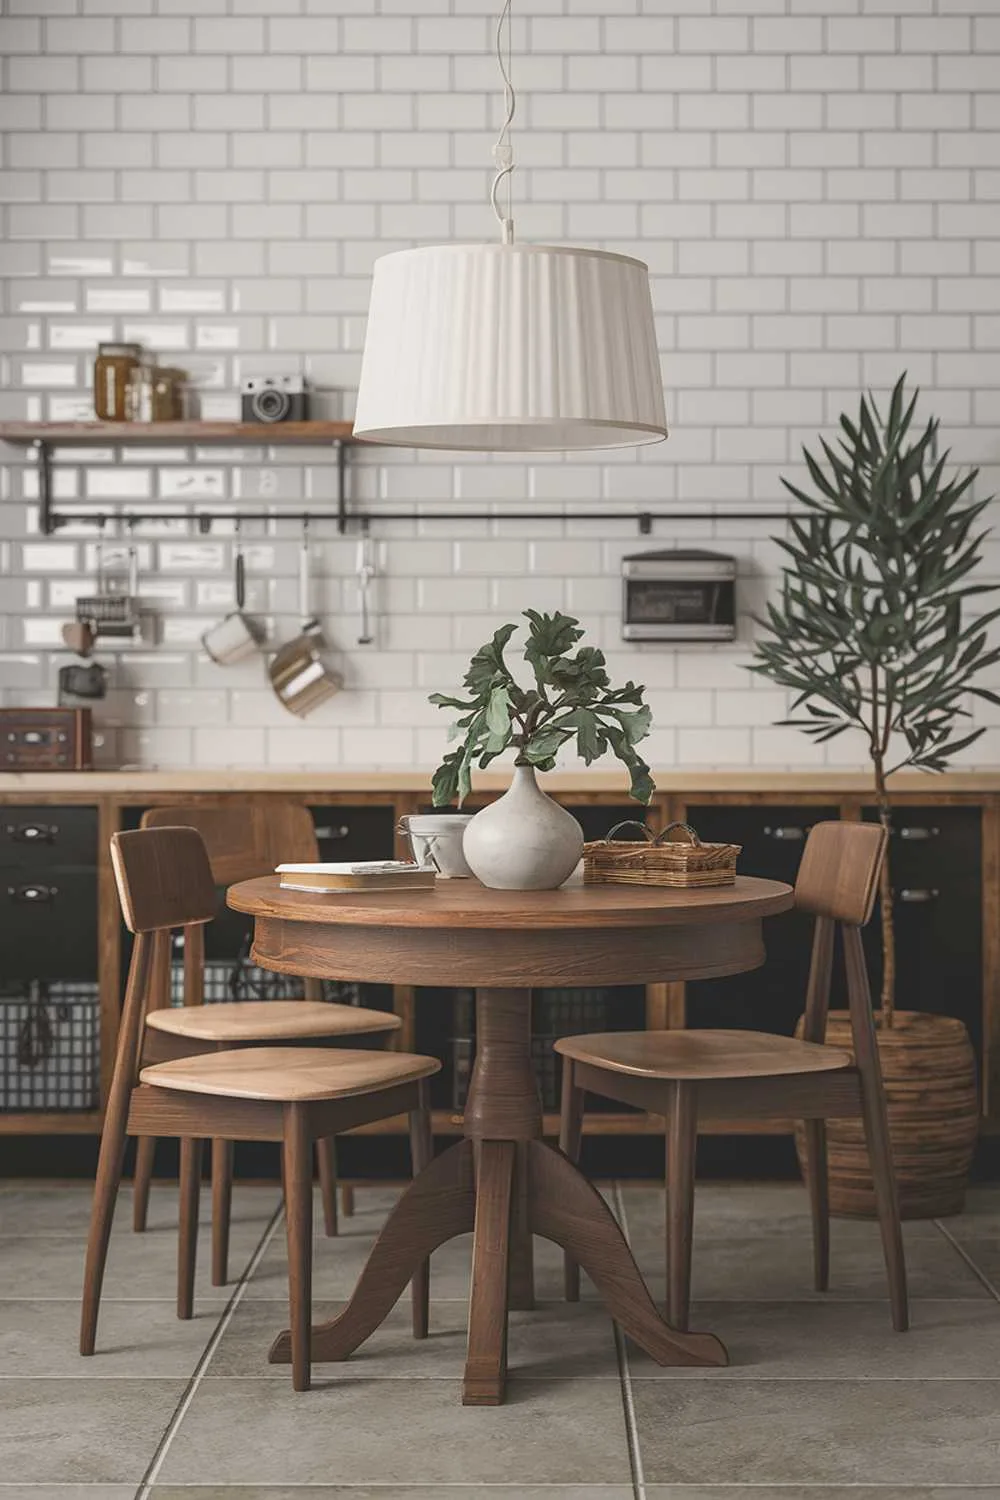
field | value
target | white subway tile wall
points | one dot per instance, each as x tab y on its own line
815	185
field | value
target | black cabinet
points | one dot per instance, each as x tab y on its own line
48	893
935	866
769	998
935	858
49	999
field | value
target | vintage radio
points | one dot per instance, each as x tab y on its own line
45	739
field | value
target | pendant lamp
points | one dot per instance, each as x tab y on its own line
510	347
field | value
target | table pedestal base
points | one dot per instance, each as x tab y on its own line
449	1198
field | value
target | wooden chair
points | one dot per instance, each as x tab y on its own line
244	841
740	1075
294	1095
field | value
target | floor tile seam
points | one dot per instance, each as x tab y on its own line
155	1464
979	1274
625	1381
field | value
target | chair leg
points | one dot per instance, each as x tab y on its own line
145	1148
682	1145
326	1162
819	1201
570	1131
297	1155
421	1154
109	1174
222	1208
187	1236
347	1200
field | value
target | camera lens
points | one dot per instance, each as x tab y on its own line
271	404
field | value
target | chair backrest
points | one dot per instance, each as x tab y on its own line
244	841
164	878
839	873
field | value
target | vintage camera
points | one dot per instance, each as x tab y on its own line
274	398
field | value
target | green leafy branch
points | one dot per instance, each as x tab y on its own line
876	626
571	699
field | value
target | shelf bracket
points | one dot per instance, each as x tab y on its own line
43	455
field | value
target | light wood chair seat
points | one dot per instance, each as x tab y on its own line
702	1054
739	1076
300	1097
289	1075
269	1020
244	839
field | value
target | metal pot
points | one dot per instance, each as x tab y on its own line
234	637
298	675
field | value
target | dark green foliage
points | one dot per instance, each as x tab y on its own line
571	699
871	630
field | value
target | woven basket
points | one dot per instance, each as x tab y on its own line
659	860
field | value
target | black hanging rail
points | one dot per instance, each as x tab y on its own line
42	437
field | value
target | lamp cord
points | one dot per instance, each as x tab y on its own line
503	151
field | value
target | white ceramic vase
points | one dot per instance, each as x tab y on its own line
524	841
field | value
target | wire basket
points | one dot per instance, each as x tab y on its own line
659	860
225	980
50	1046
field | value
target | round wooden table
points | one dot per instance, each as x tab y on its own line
503	1182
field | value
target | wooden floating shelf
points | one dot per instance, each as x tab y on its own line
274	434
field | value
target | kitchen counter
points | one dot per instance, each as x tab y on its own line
144	780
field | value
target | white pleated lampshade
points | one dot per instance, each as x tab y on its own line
514	348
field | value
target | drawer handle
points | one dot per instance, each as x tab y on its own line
32	833
915	833
329	832
915	896
32	895
789	833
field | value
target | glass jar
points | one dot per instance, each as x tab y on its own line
141	385
168	395
113	369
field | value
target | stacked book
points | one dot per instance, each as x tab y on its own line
366	875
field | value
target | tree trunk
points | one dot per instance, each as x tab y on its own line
885	1017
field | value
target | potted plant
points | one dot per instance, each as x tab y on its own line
873	632
524	840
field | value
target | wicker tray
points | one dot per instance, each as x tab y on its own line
659	860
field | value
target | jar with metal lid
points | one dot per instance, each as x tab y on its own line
113	368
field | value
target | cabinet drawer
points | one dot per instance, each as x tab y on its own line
48	926
37	837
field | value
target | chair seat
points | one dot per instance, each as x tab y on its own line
269	1020
702	1054
289	1075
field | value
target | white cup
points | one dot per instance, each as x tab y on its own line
436	839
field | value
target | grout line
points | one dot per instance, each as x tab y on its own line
198	1374
979	1275
628	1402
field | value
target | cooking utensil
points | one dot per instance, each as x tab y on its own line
77	681
107	612
366	573
297	673
79	636
235	637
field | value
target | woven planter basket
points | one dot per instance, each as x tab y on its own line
659	860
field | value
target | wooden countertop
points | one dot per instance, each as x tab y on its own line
142	782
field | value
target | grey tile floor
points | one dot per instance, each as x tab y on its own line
821	1402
